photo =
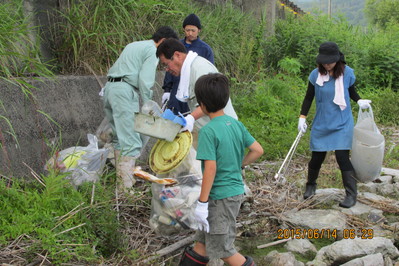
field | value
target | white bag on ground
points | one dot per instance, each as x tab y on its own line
367	147
84	164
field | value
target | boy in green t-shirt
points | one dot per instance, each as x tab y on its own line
221	149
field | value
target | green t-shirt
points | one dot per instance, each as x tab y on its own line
224	140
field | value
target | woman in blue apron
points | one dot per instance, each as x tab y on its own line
332	85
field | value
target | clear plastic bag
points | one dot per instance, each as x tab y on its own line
367	147
172	207
104	135
104	132
84	164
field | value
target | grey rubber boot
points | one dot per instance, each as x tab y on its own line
311	184
350	184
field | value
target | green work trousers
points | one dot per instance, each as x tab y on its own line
121	102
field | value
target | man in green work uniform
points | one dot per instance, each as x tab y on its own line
132	76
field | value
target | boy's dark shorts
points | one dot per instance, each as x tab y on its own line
219	242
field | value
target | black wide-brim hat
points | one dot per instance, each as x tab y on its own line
328	53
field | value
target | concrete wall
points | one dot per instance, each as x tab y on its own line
71	102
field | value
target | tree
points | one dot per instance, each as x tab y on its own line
380	12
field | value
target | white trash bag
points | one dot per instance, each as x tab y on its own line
172	207
84	164
367	147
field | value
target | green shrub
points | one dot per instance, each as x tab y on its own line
384	104
372	53
270	108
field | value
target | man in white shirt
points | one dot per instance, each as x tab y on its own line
189	66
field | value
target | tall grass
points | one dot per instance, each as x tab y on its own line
95	32
19	51
270	108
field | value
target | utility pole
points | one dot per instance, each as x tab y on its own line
329	8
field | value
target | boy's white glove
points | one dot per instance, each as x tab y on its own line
201	215
165	97
189	123
364	104
302	126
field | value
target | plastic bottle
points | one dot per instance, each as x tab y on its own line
166	220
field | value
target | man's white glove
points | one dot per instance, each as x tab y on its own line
201	215
364	104
302	126
165	97
189	123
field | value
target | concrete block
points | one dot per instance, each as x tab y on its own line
60	111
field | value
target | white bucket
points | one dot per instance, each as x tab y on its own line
156	127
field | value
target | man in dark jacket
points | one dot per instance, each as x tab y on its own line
192	27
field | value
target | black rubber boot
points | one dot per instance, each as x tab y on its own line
192	258
349	180
249	261
311	184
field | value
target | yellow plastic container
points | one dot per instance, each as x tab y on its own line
166	156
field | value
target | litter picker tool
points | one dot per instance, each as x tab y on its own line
287	160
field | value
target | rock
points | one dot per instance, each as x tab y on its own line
381	232
334	194
369	187
373	196
301	246
390	171
317	219
280	259
361	209
369	260
388	261
348	249
386	179
376	217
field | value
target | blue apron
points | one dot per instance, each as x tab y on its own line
332	128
